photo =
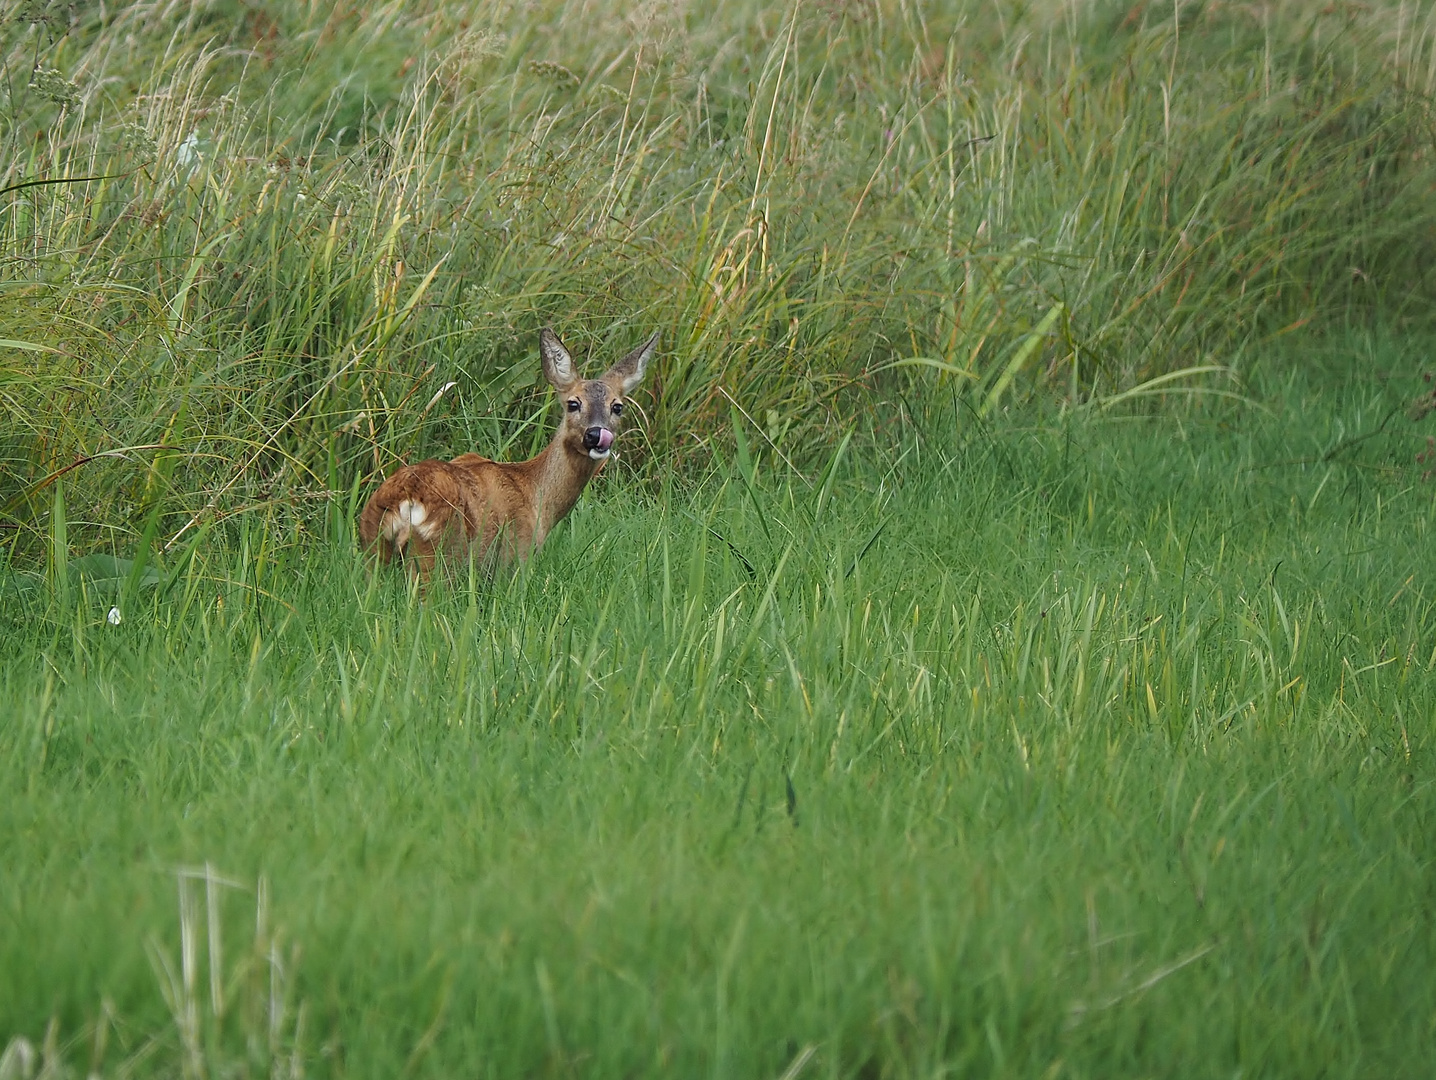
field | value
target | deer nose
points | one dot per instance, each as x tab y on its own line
597	438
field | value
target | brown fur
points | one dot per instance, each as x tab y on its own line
494	512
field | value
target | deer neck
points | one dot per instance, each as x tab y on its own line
559	479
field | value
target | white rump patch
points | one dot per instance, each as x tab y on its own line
408	516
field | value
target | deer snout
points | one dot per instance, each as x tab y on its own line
598	438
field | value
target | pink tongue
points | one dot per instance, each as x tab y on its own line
605	438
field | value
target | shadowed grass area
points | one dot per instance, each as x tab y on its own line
1094	745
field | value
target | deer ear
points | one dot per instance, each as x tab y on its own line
557	364
629	371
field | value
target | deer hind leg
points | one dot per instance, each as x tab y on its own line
405	531
403	537
415	517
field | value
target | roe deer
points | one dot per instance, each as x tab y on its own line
497	512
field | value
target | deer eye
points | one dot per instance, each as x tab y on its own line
573	405
616	408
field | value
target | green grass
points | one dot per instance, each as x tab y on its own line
1091	744
312	220
1004	647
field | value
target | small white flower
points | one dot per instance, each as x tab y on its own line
187	153
113	618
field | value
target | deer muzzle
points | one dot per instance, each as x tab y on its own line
597	440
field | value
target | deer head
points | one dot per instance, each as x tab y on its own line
592	408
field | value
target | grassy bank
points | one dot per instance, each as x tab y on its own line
317	240
1093	746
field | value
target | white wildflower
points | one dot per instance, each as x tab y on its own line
187	154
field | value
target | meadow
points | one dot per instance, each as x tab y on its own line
1091	747
1002	647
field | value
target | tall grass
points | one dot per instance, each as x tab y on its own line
252	256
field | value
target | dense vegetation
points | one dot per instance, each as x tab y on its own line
312	220
1004	647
